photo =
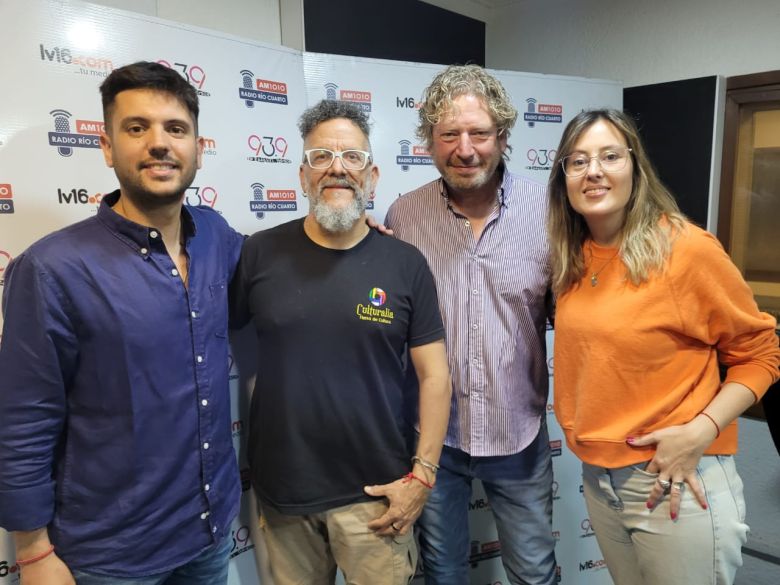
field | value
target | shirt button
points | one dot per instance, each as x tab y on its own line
475	292
204	515
207	487
474	325
467	222
194	314
144	251
204	402
205	445
175	272
200	359
152	234
475	361
213	529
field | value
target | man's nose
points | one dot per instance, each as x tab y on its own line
465	148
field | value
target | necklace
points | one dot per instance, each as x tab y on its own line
594	277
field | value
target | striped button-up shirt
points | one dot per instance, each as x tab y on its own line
493	294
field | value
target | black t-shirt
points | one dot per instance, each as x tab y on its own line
333	327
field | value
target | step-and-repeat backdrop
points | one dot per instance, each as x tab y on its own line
55	55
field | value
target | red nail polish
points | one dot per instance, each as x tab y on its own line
674	516
704	506
649	505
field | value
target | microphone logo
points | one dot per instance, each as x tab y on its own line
257	195
62	126
330	91
247	81
405	144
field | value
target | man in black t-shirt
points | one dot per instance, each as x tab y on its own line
340	311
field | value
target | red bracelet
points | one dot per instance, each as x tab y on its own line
37	558
717	428
410	476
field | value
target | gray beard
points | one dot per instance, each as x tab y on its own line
341	219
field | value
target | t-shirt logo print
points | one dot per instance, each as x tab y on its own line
377	297
376	311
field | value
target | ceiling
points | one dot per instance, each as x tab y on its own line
479	9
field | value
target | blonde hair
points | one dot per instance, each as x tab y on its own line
652	221
458	80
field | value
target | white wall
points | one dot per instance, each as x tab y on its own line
259	20
636	41
633	41
476	9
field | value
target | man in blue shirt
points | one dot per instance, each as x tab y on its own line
117	458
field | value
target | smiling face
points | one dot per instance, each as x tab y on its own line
601	198
466	147
151	143
337	196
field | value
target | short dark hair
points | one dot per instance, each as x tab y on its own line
330	110
148	75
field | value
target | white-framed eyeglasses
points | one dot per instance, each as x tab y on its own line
611	160
322	158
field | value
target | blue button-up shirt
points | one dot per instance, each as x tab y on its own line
114	400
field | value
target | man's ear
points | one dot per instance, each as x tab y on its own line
302	179
105	146
201	148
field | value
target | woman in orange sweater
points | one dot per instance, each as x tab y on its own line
648	306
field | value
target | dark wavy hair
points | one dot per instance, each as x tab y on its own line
148	75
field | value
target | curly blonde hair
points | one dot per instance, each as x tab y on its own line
458	80
652	220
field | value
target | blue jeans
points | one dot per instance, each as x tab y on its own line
209	568
519	490
647	547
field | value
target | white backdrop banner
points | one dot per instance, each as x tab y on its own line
56	53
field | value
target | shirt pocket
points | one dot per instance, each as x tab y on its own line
520	279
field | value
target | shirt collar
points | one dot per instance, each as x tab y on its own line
136	233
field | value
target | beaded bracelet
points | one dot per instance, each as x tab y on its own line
36	558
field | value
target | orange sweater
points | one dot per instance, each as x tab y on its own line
630	360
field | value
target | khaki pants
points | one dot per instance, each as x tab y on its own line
306	550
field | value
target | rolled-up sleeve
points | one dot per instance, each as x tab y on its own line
37	357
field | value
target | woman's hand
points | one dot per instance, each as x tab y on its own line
678	451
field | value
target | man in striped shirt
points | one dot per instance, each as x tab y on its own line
482	230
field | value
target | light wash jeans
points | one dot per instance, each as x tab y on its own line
645	547
209	568
519	490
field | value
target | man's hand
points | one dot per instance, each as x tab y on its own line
48	571
406	498
380	227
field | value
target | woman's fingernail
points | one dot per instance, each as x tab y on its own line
674	515
704	506
649	505
629	440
